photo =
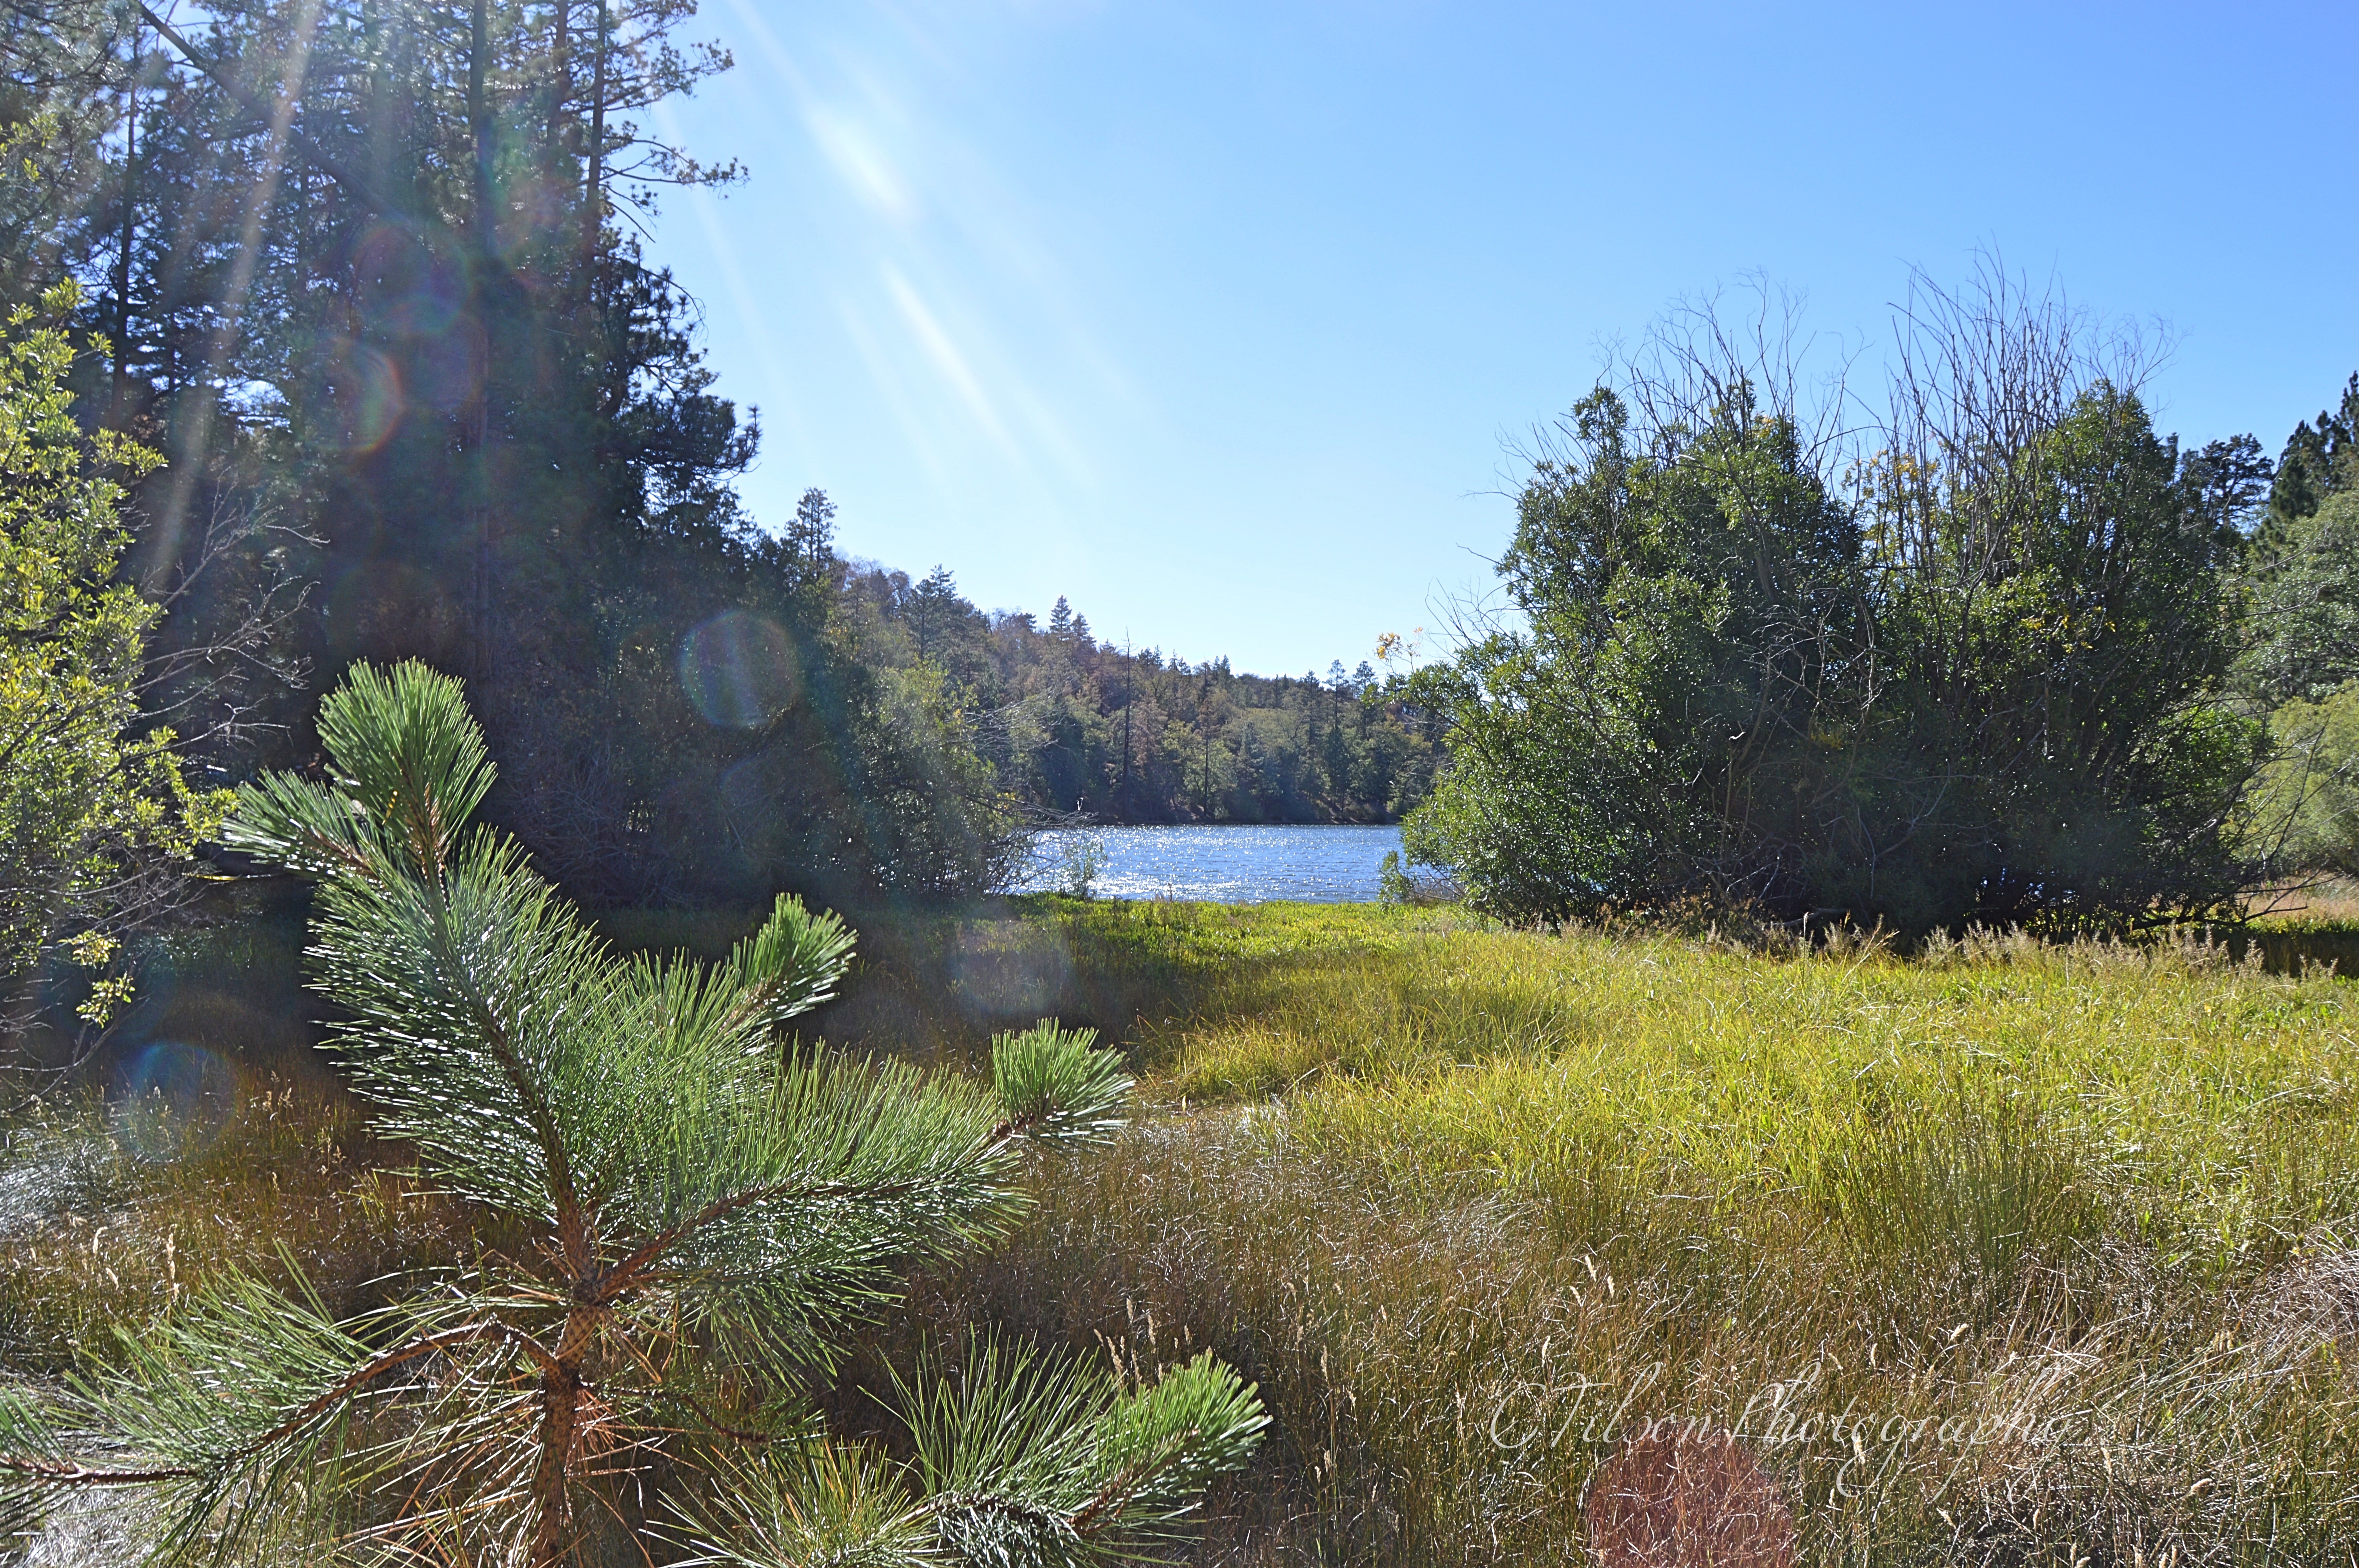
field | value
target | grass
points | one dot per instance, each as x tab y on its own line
110	1223
2331	902
2004	1255
1459	1196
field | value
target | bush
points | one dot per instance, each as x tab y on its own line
1974	676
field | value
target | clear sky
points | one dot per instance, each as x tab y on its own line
1215	317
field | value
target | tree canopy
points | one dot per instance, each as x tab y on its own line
89	798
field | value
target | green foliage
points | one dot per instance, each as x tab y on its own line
2320	458
816	1505
1054	1464
1057	1090
1987	684
2301	652
1016	1461
2304	611
694	1218
85	802
1070	724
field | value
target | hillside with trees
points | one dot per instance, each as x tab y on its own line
1074	725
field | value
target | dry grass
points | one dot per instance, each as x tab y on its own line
2331	900
2003	1255
1672	1496
102	1235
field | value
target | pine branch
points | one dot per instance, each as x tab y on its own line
1055	1089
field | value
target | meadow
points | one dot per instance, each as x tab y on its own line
2000	1253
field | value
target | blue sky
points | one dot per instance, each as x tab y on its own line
1217	318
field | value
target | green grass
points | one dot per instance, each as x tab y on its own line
1440	1186
1457	1195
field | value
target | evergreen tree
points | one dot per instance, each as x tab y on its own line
932	609
810	546
2319	460
697	1216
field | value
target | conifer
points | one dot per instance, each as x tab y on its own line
682	1220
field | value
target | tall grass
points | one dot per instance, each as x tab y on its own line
2001	1255
2071	1225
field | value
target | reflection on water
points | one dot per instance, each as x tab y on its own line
1227	865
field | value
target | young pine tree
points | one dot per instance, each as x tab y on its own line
680	1220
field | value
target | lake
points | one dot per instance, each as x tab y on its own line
1226	865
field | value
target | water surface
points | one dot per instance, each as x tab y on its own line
1226	865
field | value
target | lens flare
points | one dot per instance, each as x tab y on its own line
403	288
1004	973
168	1100
738	669
532	212
367	390
446	369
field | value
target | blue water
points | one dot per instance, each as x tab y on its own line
1228	865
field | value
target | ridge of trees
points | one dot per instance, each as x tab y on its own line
1074	724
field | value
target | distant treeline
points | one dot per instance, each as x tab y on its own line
1074	725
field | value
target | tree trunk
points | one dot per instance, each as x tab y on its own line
560	1413
593	205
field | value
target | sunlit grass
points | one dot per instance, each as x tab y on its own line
101	1240
1446	1187
1469	1202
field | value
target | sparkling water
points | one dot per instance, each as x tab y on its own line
1227	865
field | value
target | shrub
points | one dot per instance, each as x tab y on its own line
1973	676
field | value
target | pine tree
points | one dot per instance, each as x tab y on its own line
687	1218
811	538
931	608
2317	460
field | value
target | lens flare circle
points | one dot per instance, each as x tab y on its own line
404	288
367	390
738	670
169	1099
